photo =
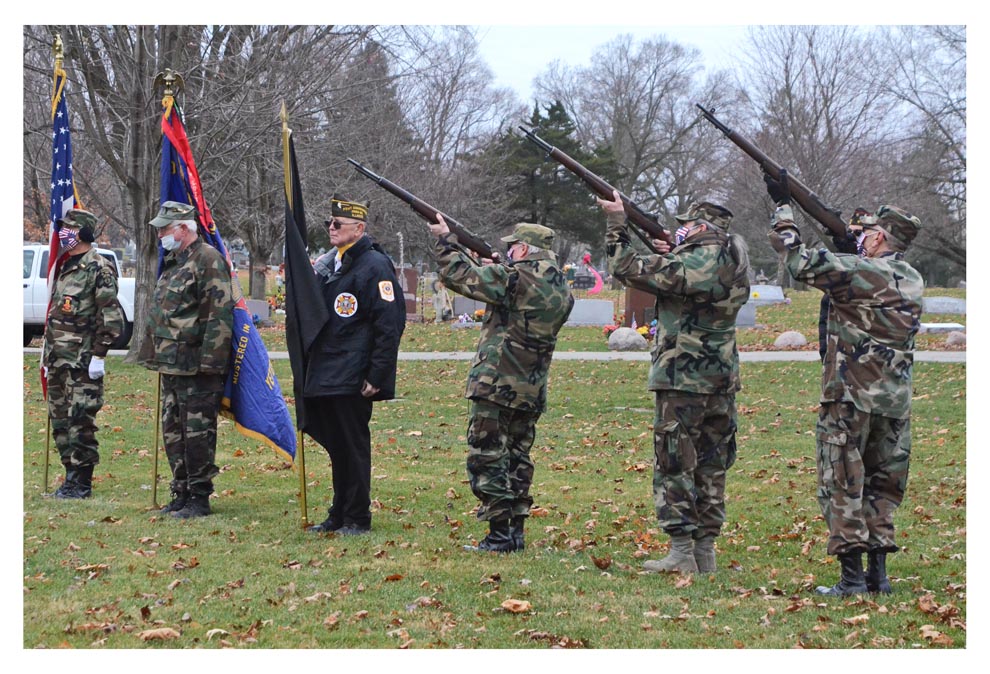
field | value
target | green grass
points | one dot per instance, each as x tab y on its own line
102	572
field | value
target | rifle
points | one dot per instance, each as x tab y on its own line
428	213
634	214
808	200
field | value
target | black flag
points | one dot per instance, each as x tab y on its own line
306	312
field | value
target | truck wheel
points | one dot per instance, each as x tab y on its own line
125	336
28	335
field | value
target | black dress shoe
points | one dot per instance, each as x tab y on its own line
326	526
353	530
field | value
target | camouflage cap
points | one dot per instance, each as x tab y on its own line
707	211
533	235
861	218
900	225
77	218
172	212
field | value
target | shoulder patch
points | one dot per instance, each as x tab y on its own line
386	291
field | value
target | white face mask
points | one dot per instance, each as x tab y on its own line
169	243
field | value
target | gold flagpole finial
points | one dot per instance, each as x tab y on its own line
57	51
170	80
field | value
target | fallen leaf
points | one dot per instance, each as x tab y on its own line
394	577
160	633
214	632
516	605
856	620
687	580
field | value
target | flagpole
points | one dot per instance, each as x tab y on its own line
158	419
48	444
300	450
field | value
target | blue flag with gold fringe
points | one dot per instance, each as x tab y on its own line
252	396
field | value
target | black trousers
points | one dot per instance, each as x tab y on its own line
340	424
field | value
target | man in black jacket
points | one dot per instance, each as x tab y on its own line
353	362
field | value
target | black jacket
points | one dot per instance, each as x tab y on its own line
367	316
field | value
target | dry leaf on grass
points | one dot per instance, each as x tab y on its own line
516	605
160	633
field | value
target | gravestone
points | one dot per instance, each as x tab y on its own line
761	294
627	339
940	327
943	305
789	339
409	280
746	318
466	305
641	305
583	281
592	312
259	307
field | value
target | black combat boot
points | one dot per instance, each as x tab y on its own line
197	505
498	539
78	483
852	580
516	531
180	494
876	572
68	487
84	481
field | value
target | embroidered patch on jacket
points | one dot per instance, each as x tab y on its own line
386	291
345	305
68	304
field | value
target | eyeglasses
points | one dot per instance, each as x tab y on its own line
337	224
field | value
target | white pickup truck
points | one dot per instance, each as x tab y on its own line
36	292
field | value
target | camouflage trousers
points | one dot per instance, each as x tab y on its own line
73	401
694	445
862	476
499	467
190	404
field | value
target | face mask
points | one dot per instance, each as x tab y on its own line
680	235
68	238
169	243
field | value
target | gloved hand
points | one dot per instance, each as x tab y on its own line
96	367
778	190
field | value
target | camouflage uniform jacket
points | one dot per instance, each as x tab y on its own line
700	287
189	325
528	302
876	312
84	316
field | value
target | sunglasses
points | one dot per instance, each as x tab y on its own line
337	224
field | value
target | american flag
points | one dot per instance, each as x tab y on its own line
62	186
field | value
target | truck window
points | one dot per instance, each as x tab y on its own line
43	267
28	261
112	259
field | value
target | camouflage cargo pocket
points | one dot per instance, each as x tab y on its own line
673	450
832	455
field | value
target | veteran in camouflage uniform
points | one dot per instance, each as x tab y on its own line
528	300
700	285
844	243
84	319
864	425
188	340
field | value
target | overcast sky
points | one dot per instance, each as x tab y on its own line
517	54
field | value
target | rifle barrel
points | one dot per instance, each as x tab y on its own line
599	186
808	200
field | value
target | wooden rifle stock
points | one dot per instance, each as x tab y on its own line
634	213
808	200
429	213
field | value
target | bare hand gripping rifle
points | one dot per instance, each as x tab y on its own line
808	200
428	213
634	214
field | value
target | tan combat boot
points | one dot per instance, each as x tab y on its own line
680	559
704	554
